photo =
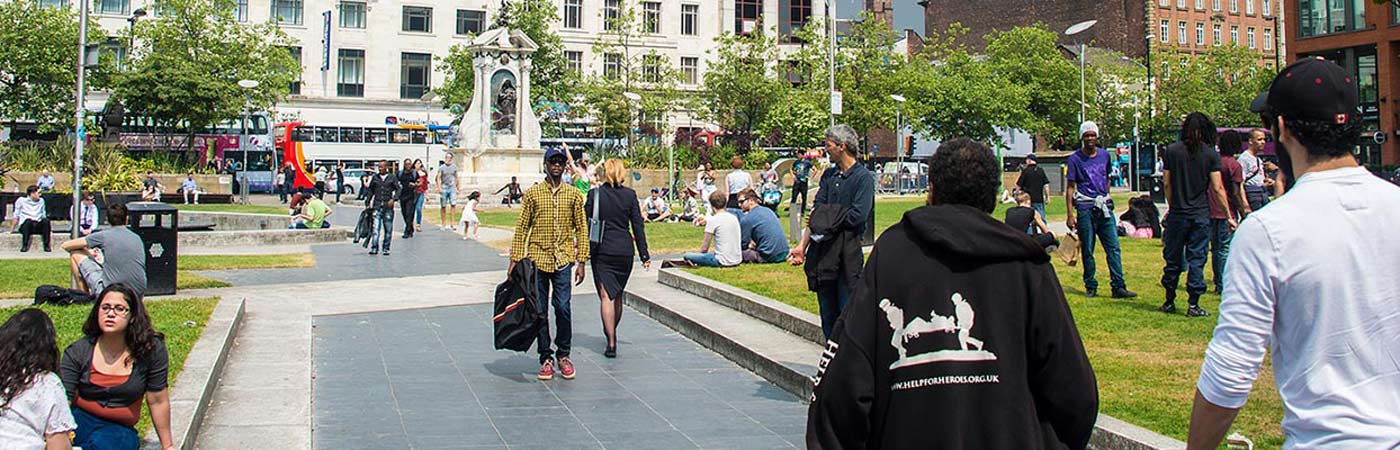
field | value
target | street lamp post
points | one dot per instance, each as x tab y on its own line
428	100
78	123
131	32
831	63
243	145
898	140
632	97
1071	31
1137	114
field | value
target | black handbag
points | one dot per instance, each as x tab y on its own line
517	319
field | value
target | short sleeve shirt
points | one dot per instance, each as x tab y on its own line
1231	175
725	227
123	257
317	209
39	410
448	172
1089	173
1190	178
738	181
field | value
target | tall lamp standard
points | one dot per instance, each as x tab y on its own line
898	139
131	32
248	86
1137	114
428	100
632	97
1071	31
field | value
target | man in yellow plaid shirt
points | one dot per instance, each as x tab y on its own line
552	232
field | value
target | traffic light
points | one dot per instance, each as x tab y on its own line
909	146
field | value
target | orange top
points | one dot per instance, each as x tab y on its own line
127	415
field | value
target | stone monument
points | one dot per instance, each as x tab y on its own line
500	134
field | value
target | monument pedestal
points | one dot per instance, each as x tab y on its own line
493	167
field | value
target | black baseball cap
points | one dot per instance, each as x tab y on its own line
1311	89
1030	156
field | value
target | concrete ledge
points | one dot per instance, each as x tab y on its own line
776	313
228	221
1109	433
192	393
264	237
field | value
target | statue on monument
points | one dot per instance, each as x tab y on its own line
505	104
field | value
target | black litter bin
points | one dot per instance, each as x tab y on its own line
1158	194
158	226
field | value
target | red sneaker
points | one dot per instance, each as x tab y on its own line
566	368
547	370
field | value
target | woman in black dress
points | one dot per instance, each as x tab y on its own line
618	209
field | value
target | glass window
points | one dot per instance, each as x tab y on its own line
1215	35
651	68
398	136
303	134
746	14
418	19
470	21
1234	6
575	61
350	75
573	14
327	134
1200	4
1215	5
295	88
1181	32
1320	17
1366	78
241	10
1235	35
1181	4
114	7
651	17
690	18
1268	39
1164	3
415	78
376	135
115	49
612	64
793	15
418	136
1163	31
352	134
611	11
287	12
54	3
1249	7
352	14
1268	9
1200	34
690	69
1250	35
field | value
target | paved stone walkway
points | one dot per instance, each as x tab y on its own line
429	379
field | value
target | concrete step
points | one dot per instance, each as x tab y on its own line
782	358
784	316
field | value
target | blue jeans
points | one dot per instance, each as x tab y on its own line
94	433
383	226
831	300
1184	242
556	287
1040	208
418	211
1220	236
1091	225
702	259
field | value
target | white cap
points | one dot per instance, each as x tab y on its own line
1088	126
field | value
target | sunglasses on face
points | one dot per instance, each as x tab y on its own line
554	162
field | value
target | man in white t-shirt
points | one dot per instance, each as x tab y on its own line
1309	277
721	229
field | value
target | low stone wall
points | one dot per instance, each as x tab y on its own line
264	237
224	221
213	184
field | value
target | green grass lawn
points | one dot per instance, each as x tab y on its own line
234	208
19	277
1146	362
169	317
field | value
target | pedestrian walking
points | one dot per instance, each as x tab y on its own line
289	179
847	191
614	206
1232	176
801	171
959	336
408	195
447	185
1033	181
1304	283
420	192
339	181
383	190
1191	174
552	232
32	218
1090	210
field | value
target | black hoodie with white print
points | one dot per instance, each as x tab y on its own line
957	337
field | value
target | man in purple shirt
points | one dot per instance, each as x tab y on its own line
1090	210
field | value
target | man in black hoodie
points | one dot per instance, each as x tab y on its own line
958	335
408	196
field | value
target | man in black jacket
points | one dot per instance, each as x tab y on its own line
383	191
958	336
408	195
850	187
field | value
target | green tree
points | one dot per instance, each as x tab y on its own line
550	77
1220	84
628	67
798	120
1117	93
741	87
188	63
1028	56
38	75
867	72
961	96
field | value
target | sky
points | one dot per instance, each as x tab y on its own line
908	13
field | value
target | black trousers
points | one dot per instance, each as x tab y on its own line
799	189
407	206
30	228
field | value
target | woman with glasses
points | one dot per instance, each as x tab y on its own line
119	362
33	410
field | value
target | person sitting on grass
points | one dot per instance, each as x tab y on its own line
122	260
722	230
656	207
691	211
1024	217
120	362
760	231
34	411
313	213
188	188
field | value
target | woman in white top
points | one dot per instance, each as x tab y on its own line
706	185
736	181
34	413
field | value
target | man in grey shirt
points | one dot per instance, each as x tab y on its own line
447	181
122	256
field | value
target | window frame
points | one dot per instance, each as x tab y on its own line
612	65
342	88
1250	34
409	61
1235	34
573	14
296	6
295	87
651	17
1166	30
462	24
1181	32
690	73
101	7
361	10
1200	34
1268	39
1216	34
690	20
741	19
612	11
412	13
573	61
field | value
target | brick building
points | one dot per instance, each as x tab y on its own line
1363	37
881	10
1194	26
1122	23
